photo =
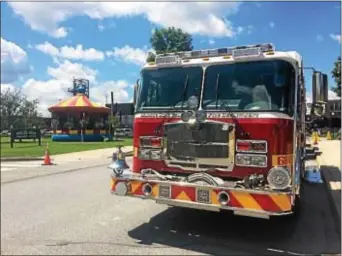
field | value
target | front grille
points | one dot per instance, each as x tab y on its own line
196	150
210	140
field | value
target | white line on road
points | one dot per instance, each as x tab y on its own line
20	165
8	166
6	169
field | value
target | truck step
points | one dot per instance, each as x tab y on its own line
309	151
310	157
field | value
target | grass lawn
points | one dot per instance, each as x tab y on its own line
30	149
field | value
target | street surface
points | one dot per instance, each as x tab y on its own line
74	213
9	166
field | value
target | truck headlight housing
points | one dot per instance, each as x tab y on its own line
150	154
186	115
279	178
251	160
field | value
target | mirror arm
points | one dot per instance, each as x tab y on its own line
314	70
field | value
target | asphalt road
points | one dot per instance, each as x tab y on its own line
74	213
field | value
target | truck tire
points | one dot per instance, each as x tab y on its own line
296	210
297	207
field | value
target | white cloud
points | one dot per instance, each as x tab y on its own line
271	24
59	33
67	52
48	48
47	92
67	70
319	38
14	62
119	88
128	54
5	87
79	54
204	18
211	41
50	91
332	95
336	38
100	27
248	30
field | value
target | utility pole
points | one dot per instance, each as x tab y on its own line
112	113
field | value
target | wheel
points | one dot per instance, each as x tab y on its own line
296	209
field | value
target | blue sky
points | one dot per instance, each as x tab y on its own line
45	44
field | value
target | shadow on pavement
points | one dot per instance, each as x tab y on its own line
332	174
223	233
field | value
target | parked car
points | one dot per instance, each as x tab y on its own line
123	132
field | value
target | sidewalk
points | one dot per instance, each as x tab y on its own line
330	163
331	152
41	171
104	153
65	163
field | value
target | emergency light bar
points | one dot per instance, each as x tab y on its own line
236	52
168	60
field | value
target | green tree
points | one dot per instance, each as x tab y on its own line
17	110
336	73
166	40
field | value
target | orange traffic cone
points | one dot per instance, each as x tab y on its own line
47	159
315	142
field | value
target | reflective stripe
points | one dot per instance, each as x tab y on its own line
246	200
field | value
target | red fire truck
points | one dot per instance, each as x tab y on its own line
219	129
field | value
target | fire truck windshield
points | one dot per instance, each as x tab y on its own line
168	88
250	86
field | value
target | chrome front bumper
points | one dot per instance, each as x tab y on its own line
246	202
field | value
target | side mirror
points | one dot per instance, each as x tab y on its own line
319	93
135	90
319	87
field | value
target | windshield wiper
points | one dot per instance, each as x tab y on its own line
228	109
185	89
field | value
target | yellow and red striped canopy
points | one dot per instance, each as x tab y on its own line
79	102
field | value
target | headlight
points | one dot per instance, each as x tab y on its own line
155	154
251	160
279	178
186	115
144	153
149	154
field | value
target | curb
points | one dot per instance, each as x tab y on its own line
52	173
334	204
17	159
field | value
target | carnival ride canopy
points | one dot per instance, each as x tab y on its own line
78	103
